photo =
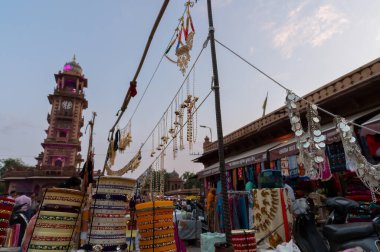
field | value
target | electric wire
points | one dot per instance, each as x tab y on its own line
155	71
175	96
171	140
287	89
179	90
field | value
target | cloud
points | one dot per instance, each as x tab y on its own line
378	37
314	30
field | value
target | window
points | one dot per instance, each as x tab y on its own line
58	163
62	134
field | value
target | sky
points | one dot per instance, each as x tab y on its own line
301	44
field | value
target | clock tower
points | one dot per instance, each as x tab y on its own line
61	154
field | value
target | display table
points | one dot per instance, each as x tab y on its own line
189	229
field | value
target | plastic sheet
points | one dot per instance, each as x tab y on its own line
209	239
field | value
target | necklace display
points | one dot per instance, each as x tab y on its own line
182	50
311	146
368	173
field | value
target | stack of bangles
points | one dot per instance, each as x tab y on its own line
6	208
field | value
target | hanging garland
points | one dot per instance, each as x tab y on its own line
131	166
367	172
182	50
125	137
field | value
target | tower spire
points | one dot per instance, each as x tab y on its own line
74	58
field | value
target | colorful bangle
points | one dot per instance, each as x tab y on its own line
61	208
62	198
56	218
53	225
110	207
110	197
157	245
3	211
51	238
49	247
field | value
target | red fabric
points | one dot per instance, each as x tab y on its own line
132	88
373	145
284	215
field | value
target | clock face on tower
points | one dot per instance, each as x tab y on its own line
67	104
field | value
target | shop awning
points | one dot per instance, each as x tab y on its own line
256	155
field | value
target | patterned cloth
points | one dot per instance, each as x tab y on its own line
271	211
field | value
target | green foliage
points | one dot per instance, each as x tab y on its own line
7	163
191	180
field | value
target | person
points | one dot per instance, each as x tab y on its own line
26	203
35	203
12	194
71	183
211	209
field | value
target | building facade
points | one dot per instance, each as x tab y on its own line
268	143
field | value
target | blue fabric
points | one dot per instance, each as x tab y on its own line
250	209
244	223
235	213
219	205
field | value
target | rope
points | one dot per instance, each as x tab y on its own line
128	95
155	71
287	89
179	90
182	126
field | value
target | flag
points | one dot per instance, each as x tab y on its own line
265	104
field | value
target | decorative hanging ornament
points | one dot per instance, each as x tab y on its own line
190	105
180	117
311	148
368	173
182	50
132	165
125	137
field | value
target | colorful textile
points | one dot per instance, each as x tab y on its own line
271	211
325	173
285	167
6	207
243	240
54	228
108	223
155	224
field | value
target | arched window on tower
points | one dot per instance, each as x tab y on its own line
58	163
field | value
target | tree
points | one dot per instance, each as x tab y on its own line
191	180
186	175
7	163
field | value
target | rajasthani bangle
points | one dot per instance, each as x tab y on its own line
3	211
49	247
63	198
157	245
110	207
56	218
110	197
54	225
7	202
98	247
109	220
109	215
61	208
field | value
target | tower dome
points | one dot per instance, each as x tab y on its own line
73	67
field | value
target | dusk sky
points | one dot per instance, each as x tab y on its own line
301	44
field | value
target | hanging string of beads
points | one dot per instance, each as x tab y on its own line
162	174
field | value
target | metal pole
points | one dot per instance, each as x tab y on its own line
222	168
